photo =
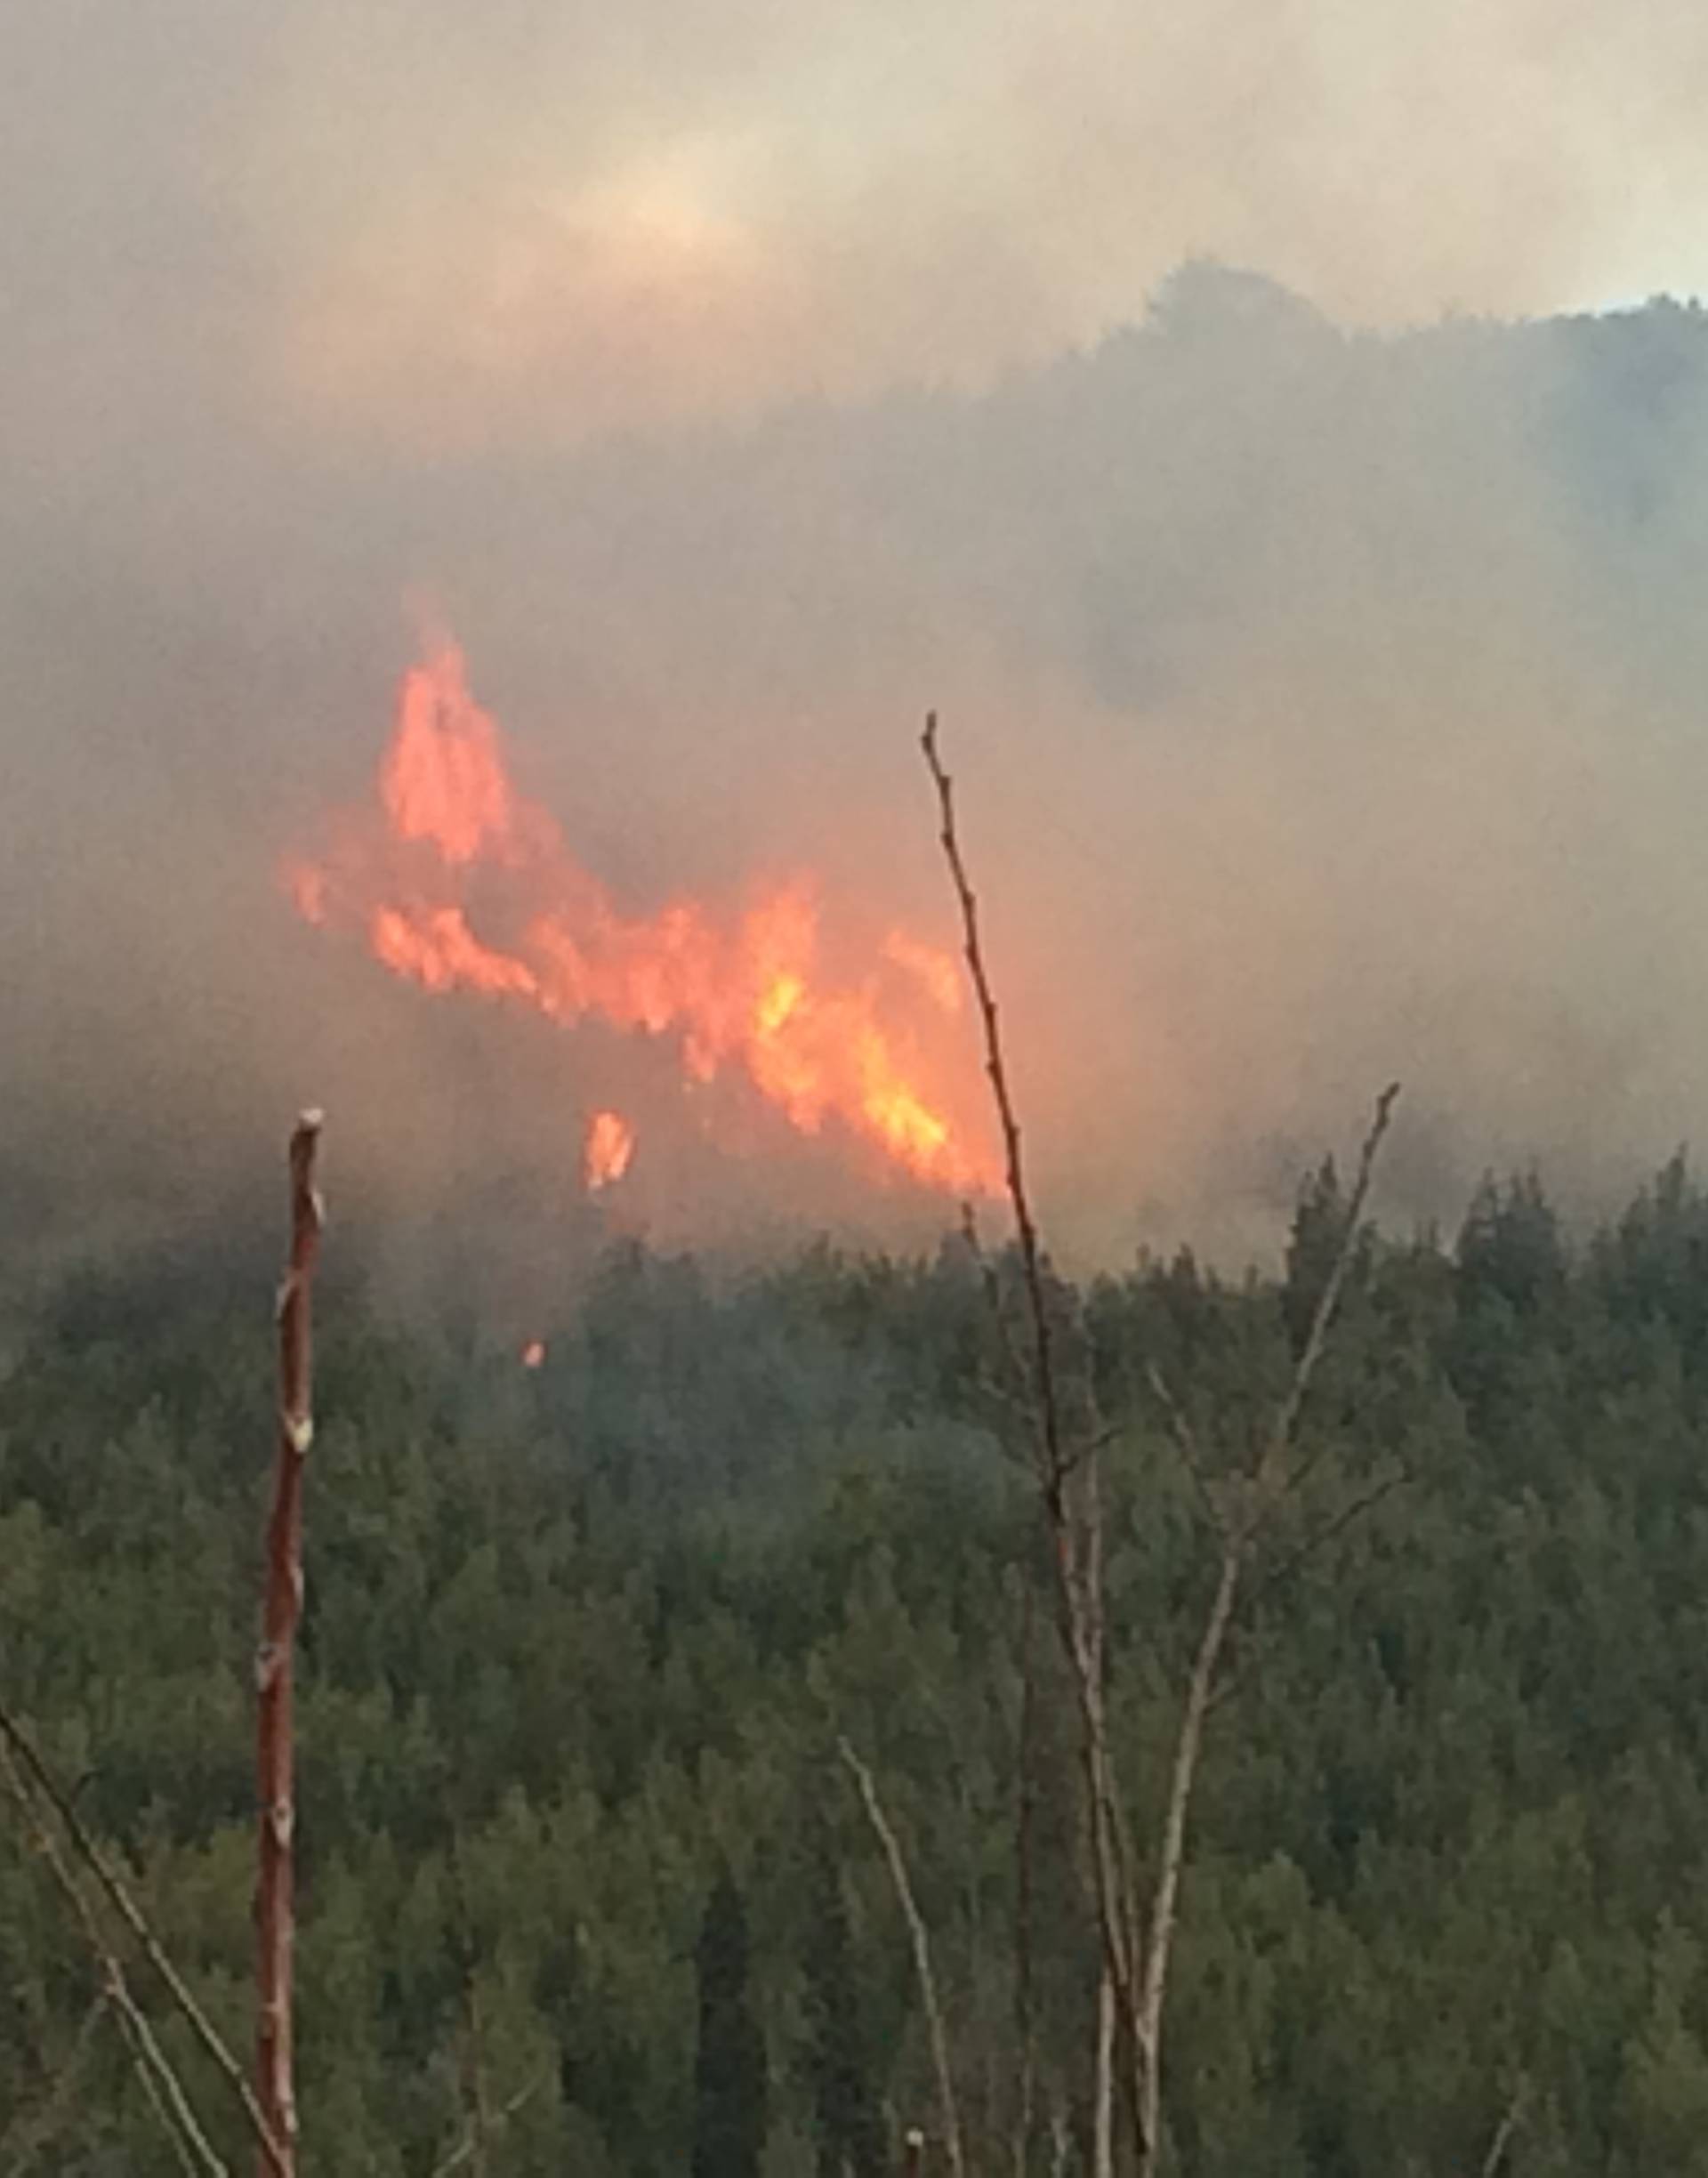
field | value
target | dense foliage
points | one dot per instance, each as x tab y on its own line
579	1643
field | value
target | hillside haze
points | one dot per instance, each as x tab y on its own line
1325	705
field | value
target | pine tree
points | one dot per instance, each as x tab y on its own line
847	2125
729	2064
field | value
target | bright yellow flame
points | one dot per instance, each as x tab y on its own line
609	1147
460	883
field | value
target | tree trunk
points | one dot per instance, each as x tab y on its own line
275	1888
1103	2090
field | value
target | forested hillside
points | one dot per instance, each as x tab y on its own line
580	1643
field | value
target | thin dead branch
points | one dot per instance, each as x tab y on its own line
1351	1511
1498	2146
473	2065
1022	1407
1186	1442
1272	1472
1025	1226
921	1944
1103	2079
164	2090
130	1913
1512	2117
1277	1576
133	2028
1053	1462
1136	1948
1272	1482
1166	1899
275	1664
486	2128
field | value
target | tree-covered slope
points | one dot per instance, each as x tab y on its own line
580	1641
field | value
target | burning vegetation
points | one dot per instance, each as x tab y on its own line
457	882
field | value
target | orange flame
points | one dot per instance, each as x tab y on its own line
457	846
443	779
609	1146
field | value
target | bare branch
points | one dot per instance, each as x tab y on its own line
1510	2120
473	2054
1185	1441
275	1665
483	2129
1110	1853
1025	1226
1137	1953
916	1930
166	2091
1279	1576
1103	2079
1273	1482
128	1911
1023	1406
1352	1510
1165	1898
1272	1470
145	2056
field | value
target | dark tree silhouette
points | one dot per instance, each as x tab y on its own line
849	2129
729	2064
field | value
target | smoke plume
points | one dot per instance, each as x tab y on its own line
1321	668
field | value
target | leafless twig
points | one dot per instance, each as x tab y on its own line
482	2121
1270	1483
1136	1948
1277	1576
146	2058
1272	1471
1077	1610
164	2090
1512	2117
1102	2080
484	2129
921	1944
1025	1226
1185	1441
131	1914
1353	1510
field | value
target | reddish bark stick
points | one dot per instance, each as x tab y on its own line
275	1888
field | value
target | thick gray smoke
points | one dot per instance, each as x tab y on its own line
1325	703
1327	707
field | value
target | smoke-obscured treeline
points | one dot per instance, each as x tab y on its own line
1326	705
579	1643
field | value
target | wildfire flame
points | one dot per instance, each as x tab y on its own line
459	883
609	1146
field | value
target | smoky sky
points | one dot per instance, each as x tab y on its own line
1317	644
